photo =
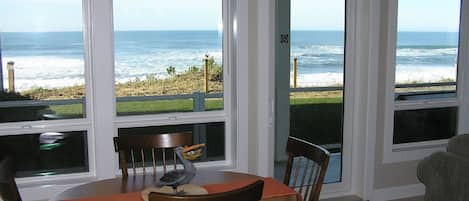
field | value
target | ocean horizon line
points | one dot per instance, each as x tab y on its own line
210	30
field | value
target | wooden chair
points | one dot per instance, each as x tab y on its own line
8	188
138	144
312	176
251	192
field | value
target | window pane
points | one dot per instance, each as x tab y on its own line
427	48
424	124
47	153
42	56
160	63
317	78
211	134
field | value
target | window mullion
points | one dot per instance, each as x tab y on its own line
463	72
102	85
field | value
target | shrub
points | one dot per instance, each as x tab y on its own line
171	70
215	70
11	96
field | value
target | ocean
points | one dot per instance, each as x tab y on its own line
55	59
421	57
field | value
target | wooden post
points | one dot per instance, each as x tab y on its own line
11	76
206	73
295	71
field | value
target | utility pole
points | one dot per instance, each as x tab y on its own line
206	73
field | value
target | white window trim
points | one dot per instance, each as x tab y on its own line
393	153
463	72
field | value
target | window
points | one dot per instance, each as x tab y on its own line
42	60
210	134
423	78
426	69
43	87
168	64
171	71
166	73
48	153
424	124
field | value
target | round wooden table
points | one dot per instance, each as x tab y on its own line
140	182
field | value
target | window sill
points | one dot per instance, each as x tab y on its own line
413	151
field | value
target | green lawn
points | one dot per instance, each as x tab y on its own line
143	107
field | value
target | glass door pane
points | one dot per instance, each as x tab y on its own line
317	79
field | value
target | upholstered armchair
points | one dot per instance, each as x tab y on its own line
446	174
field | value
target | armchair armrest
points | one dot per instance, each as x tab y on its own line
445	175
459	145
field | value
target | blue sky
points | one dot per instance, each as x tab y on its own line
428	15
66	15
317	14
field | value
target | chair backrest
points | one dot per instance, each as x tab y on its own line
141	144
312	176
251	192
8	188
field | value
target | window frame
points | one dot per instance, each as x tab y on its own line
418	150
179	118
44	187
78	124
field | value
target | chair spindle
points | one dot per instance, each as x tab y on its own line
133	160
316	177
174	158
297	170
164	160
304	175
153	160
310	184
143	160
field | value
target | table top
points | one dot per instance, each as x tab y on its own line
139	182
